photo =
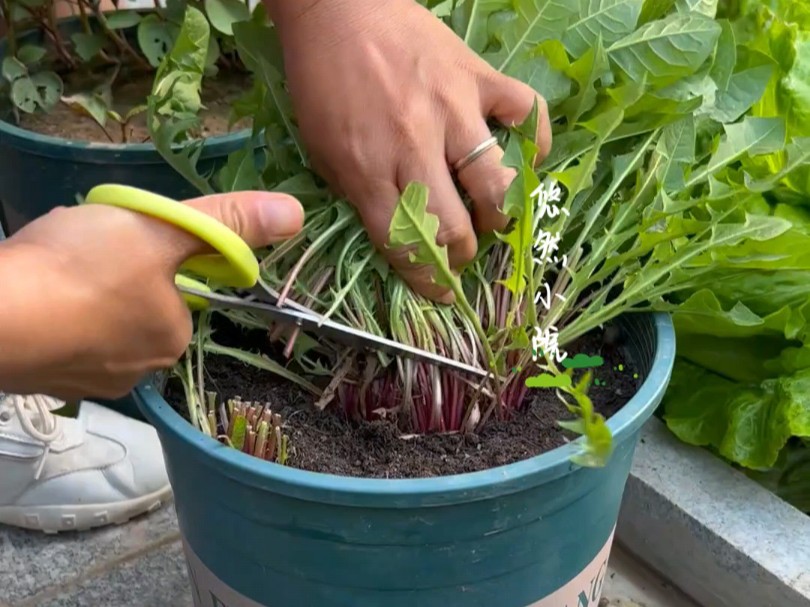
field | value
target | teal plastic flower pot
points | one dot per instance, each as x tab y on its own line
534	533
42	172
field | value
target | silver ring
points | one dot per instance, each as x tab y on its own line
479	150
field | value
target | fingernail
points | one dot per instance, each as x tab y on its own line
280	215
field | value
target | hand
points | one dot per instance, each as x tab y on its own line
89	301
386	94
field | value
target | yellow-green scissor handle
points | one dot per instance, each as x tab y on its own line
234	264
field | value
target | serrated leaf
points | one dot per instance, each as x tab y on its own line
259	50
586	72
13	68
118	20
413	227
667	49
531	23
608	19
30	53
224	13
86	45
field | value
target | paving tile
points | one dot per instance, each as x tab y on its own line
631	584
33	561
158	579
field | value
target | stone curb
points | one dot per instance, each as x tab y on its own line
720	537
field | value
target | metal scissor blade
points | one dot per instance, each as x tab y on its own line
339	332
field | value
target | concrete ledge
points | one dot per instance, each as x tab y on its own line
717	535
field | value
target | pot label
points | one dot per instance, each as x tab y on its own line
207	590
584	590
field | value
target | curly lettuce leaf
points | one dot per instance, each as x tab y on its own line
749	424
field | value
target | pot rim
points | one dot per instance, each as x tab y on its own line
442	490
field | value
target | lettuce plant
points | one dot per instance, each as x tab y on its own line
648	101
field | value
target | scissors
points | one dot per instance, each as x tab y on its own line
234	265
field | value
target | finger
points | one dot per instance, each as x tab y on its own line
510	102
485	179
259	218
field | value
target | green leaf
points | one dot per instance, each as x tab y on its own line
155	38
412	226
532	22
259	51
745	87
537	72
303	187
751	137
748	424
224	13
586	72
30	53
704	7
655	9
118	20
13	68
665	50
91	105
24	94
240	172
725	56
50	88
87	46
175	99
42	90
179	76
608	19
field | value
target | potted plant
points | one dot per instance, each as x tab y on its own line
308	474
73	97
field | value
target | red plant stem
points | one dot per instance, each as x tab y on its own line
319	285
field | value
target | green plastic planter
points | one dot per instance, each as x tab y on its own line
535	533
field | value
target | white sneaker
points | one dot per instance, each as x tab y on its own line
59	473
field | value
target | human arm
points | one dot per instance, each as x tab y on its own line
386	94
89	301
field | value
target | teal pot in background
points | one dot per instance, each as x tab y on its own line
536	533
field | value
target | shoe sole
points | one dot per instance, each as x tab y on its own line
56	519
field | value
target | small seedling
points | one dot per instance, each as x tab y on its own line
250	427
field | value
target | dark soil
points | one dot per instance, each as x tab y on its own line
324	441
218	95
